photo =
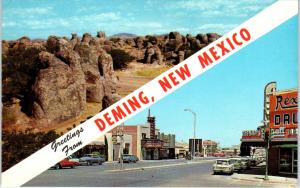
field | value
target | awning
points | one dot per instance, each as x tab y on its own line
286	146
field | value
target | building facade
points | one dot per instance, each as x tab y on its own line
168	149
279	128
143	140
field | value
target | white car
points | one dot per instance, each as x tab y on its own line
223	166
74	159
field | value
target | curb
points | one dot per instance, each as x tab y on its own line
260	179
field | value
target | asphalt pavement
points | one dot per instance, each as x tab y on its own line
172	173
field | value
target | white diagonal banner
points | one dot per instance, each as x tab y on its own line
150	93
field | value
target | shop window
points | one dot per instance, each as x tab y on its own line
295	160
143	135
126	149
285	160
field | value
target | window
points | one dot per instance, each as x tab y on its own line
143	135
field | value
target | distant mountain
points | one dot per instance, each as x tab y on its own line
123	35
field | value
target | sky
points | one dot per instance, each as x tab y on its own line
229	97
41	18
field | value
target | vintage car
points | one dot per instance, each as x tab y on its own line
90	159
237	164
74	159
65	163
223	166
129	158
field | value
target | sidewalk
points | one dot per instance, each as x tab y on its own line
260	178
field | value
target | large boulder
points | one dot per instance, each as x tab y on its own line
139	41
56	91
153	55
89	64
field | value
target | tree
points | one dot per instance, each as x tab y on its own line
120	58
16	146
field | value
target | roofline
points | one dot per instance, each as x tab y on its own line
285	91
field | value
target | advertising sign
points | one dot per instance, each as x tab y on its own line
283	113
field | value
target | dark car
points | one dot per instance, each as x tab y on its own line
65	163
90	159
129	158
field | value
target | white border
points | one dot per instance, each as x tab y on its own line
41	160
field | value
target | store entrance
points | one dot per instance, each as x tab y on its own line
288	160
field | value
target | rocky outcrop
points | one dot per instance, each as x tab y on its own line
55	78
57	92
153	55
164	49
61	75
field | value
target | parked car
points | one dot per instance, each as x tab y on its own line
90	159
219	155
74	159
237	164
65	163
246	162
223	166
253	161
129	159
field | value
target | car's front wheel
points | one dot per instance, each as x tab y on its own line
57	166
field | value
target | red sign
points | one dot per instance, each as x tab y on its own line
251	134
283	114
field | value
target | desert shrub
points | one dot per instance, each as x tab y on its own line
120	58
16	146
115	40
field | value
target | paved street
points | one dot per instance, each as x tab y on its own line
173	173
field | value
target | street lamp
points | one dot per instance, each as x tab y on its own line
194	139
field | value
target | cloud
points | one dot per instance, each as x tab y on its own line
74	21
9	24
138	24
28	11
240	8
222	28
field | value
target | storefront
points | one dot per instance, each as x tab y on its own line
151	149
281	124
287	159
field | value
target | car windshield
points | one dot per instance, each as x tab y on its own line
87	155
222	162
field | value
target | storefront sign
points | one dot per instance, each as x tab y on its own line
283	113
152	144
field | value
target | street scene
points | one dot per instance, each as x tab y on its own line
142	155
169	173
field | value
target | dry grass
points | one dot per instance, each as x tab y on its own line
151	72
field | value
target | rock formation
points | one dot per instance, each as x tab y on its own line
55	78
